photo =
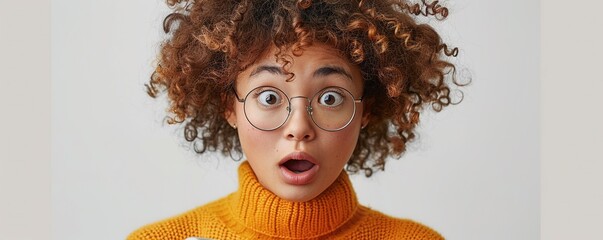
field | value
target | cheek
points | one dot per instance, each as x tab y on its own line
249	136
256	142
344	140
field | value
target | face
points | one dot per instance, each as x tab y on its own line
298	160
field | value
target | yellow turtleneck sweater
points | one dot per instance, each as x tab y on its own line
253	212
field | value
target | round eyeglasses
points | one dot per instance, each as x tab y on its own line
268	108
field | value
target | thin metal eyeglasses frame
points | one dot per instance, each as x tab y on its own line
308	107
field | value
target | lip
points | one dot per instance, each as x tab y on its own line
298	178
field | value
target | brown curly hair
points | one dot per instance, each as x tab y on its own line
209	42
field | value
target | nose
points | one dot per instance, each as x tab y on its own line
299	126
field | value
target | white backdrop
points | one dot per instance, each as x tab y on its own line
472	174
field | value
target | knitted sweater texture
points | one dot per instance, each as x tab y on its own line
253	212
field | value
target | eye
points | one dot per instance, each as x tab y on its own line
330	98
269	98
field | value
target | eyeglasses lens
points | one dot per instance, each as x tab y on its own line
268	108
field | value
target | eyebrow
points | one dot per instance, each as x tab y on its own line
329	70
321	72
271	69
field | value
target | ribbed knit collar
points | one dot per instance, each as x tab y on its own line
258	209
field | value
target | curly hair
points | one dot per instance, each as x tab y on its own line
403	63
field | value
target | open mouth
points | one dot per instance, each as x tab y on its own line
298	168
298	165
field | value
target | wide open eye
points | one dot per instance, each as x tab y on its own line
269	98
331	98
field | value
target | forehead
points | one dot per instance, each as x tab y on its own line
305	64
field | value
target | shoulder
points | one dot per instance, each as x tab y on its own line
399	228
178	227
